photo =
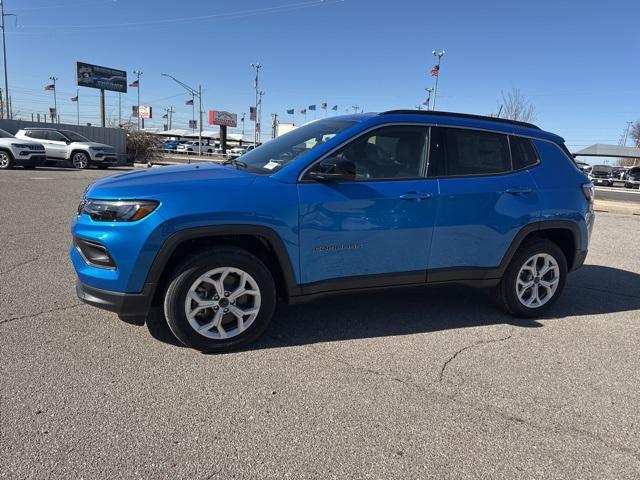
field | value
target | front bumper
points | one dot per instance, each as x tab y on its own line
36	160
102	159
131	307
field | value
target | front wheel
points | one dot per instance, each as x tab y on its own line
6	160
533	280
80	160
220	300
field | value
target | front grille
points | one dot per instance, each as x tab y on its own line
36	147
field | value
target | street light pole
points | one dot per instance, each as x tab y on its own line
439	54
428	90
137	73
194	93
257	66
55	99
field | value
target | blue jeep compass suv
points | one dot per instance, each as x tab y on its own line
401	198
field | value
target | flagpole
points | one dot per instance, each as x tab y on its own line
55	99
78	104
435	92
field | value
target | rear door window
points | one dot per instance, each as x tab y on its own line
466	152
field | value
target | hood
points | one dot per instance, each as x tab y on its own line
22	141
150	183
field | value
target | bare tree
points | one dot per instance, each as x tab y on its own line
515	106
634	133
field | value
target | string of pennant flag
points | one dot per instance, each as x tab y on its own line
312	108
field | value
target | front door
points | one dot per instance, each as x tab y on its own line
373	226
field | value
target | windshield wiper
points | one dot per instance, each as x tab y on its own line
235	162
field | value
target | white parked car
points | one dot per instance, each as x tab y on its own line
67	145
193	147
25	153
237	150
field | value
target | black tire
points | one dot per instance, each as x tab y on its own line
506	293
195	266
6	160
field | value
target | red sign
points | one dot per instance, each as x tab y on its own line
223	118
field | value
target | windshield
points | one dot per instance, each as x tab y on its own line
74	137
4	134
275	154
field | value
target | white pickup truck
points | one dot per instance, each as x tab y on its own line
66	145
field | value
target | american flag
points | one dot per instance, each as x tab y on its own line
50	87
435	70
74	99
255	81
323	106
252	114
135	83
189	102
426	102
303	111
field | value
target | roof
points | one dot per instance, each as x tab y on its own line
602	150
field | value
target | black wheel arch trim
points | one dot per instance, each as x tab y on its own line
274	241
540	227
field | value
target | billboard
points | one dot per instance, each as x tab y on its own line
223	118
104	78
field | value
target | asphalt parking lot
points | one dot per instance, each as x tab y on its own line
400	384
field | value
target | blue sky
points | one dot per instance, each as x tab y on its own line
577	61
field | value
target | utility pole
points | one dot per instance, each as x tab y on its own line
260	95
274	125
4	53
54	117
78	105
439	54
626	134
119	110
242	120
256	124
137	73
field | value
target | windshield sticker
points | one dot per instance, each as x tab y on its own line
271	165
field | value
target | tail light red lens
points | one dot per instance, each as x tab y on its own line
589	192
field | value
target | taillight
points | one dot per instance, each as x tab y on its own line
589	192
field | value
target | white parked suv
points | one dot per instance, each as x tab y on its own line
66	145
192	146
25	153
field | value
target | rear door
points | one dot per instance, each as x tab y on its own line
376	225
483	200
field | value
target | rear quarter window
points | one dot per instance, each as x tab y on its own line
523	153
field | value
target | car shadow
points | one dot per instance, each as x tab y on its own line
591	290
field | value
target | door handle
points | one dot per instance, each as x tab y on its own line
415	196
518	190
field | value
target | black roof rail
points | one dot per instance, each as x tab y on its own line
470	116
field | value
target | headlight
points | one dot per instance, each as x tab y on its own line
19	145
117	210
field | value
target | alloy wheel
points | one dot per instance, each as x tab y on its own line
537	280
222	303
4	160
80	160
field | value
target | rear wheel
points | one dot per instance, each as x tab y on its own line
220	299
6	160
80	160
533	280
